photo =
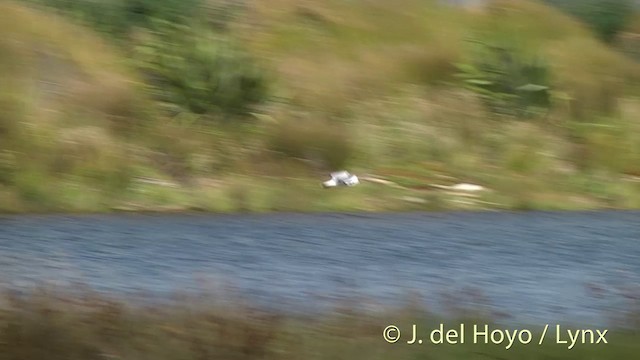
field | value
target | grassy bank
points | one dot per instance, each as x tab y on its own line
246	106
82	325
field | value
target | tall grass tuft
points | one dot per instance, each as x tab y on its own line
78	325
324	143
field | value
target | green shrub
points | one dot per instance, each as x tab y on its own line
506	81
118	17
200	71
605	17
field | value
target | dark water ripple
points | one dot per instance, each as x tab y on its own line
534	266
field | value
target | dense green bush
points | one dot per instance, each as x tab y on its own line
187	59
201	71
507	82
606	17
118	17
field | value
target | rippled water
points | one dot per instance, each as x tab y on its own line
534	266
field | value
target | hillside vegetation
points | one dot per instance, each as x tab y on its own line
246	105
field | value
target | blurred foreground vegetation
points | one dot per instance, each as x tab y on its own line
55	324
227	105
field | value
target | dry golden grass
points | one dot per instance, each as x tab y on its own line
69	105
331	55
310	138
80	324
64	66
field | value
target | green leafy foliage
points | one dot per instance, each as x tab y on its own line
118	17
508	83
200	71
187	58
606	17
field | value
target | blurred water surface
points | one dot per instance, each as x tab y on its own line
549	267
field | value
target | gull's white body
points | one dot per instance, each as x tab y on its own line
341	178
